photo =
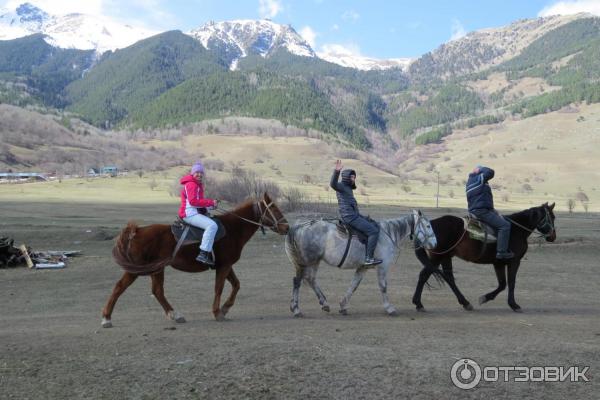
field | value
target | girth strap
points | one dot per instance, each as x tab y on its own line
181	240
346	250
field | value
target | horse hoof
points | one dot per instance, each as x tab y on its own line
326	308
344	311
175	316
517	309
393	313
298	315
106	323
421	309
468	307
220	317
483	299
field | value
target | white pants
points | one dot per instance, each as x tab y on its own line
210	230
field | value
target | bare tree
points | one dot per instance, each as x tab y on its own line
570	205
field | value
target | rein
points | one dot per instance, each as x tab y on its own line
452	247
260	223
546	221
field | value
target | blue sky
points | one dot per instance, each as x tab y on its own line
375	28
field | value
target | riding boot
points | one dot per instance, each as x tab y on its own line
502	246
206	258
371	262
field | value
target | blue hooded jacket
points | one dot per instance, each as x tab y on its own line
479	192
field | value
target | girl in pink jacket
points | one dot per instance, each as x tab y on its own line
193	206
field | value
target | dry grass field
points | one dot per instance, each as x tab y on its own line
52	345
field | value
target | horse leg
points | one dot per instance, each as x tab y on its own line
158	290
382	280
235	287
295	303
221	275
358	276
310	275
123	283
499	268
429	267
448	275
513	267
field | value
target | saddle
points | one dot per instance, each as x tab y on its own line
186	233
348	231
479	230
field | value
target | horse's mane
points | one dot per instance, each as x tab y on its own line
522	214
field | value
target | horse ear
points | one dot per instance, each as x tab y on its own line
420	213
552	206
266	197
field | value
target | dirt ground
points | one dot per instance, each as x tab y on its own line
52	345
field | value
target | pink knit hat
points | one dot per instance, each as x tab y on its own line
197	167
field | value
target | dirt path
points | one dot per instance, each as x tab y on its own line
52	346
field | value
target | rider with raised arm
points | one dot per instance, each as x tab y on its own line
193	209
481	205
349	214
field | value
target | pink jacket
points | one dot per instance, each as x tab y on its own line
192	197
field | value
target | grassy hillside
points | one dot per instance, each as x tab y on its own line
125	80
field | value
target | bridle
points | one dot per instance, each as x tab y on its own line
263	209
545	227
417	231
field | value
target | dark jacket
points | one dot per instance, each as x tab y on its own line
346	201
479	192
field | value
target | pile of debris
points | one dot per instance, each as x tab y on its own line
11	256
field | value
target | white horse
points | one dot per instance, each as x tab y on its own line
310	242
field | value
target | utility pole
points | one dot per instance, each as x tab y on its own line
437	196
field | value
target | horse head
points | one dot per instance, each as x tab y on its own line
545	225
424	234
271	216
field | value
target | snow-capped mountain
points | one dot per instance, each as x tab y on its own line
346	58
79	31
239	38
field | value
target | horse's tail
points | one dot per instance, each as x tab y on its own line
291	247
123	256
437	272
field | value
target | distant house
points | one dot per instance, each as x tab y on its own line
109	170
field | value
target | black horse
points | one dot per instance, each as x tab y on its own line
453	240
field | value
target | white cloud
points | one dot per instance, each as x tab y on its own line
350	15
571	7
335	27
61	7
457	29
348	49
269	8
309	35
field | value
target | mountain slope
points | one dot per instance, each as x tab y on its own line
44	70
483	49
128	78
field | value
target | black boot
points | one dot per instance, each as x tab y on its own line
206	258
505	255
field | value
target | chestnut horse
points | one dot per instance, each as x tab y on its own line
453	240
149	249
